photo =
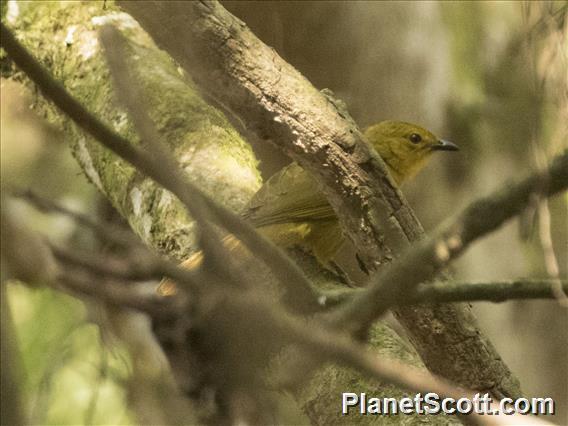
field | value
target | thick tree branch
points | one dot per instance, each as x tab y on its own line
277	103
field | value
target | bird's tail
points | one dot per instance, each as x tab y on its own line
168	287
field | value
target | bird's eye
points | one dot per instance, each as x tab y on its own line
415	138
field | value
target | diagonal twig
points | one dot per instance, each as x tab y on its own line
448	292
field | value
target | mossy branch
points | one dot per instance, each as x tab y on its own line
209	151
232	65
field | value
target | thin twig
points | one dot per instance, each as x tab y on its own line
150	268
143	265
116	293
108	231
450	292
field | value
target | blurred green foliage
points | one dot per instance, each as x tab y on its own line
65	372
70	376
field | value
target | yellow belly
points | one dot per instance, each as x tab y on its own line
321	238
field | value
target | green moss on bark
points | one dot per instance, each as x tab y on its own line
210	151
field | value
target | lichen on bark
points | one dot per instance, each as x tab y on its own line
208	148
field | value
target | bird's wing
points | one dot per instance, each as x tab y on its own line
291	195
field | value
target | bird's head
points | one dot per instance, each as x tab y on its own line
405	148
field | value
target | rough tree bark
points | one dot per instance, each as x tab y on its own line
280	105
208	148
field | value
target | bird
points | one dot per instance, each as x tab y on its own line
290	210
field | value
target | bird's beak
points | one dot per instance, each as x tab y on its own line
443	145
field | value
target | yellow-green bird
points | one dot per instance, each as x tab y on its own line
290	210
